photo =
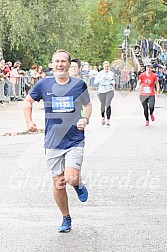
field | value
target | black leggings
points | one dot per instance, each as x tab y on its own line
148	100
105	100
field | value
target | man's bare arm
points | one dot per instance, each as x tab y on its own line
87	110
28	103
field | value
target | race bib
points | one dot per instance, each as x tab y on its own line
108	87
146	90
63	104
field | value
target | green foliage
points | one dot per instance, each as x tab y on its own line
31	30
146	16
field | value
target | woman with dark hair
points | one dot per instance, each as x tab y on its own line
146	83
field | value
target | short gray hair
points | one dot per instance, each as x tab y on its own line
106	62
64	51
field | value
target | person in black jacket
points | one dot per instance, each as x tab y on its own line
132	79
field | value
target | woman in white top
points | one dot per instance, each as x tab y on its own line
106	82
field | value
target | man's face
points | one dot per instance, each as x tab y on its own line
149	68
61	64
73	70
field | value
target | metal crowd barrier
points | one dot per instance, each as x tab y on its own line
19	90
17	87
118	82
2	97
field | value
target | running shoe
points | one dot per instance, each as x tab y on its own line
108	122
152	117
82	192
147	123
103	121
66	225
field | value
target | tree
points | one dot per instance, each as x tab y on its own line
31	30
145	16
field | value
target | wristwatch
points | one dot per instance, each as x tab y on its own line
84	117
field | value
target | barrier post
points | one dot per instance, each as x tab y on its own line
2	97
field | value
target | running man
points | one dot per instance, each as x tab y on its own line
63	97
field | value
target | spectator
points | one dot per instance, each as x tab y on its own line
49	70
165	80
99	68
34	74
137	51
132	79
144	47
163	57
159	74
40	72
150	47
7	86
155	48
14	78
117	75
93	72
124	77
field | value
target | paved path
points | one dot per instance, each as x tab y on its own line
125	169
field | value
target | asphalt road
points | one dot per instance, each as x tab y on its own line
125	170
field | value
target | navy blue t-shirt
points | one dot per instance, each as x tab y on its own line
62	104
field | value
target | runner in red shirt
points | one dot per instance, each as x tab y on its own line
146	83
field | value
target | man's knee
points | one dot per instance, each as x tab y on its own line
72	176
59	182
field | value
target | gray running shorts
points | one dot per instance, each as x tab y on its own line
57	159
